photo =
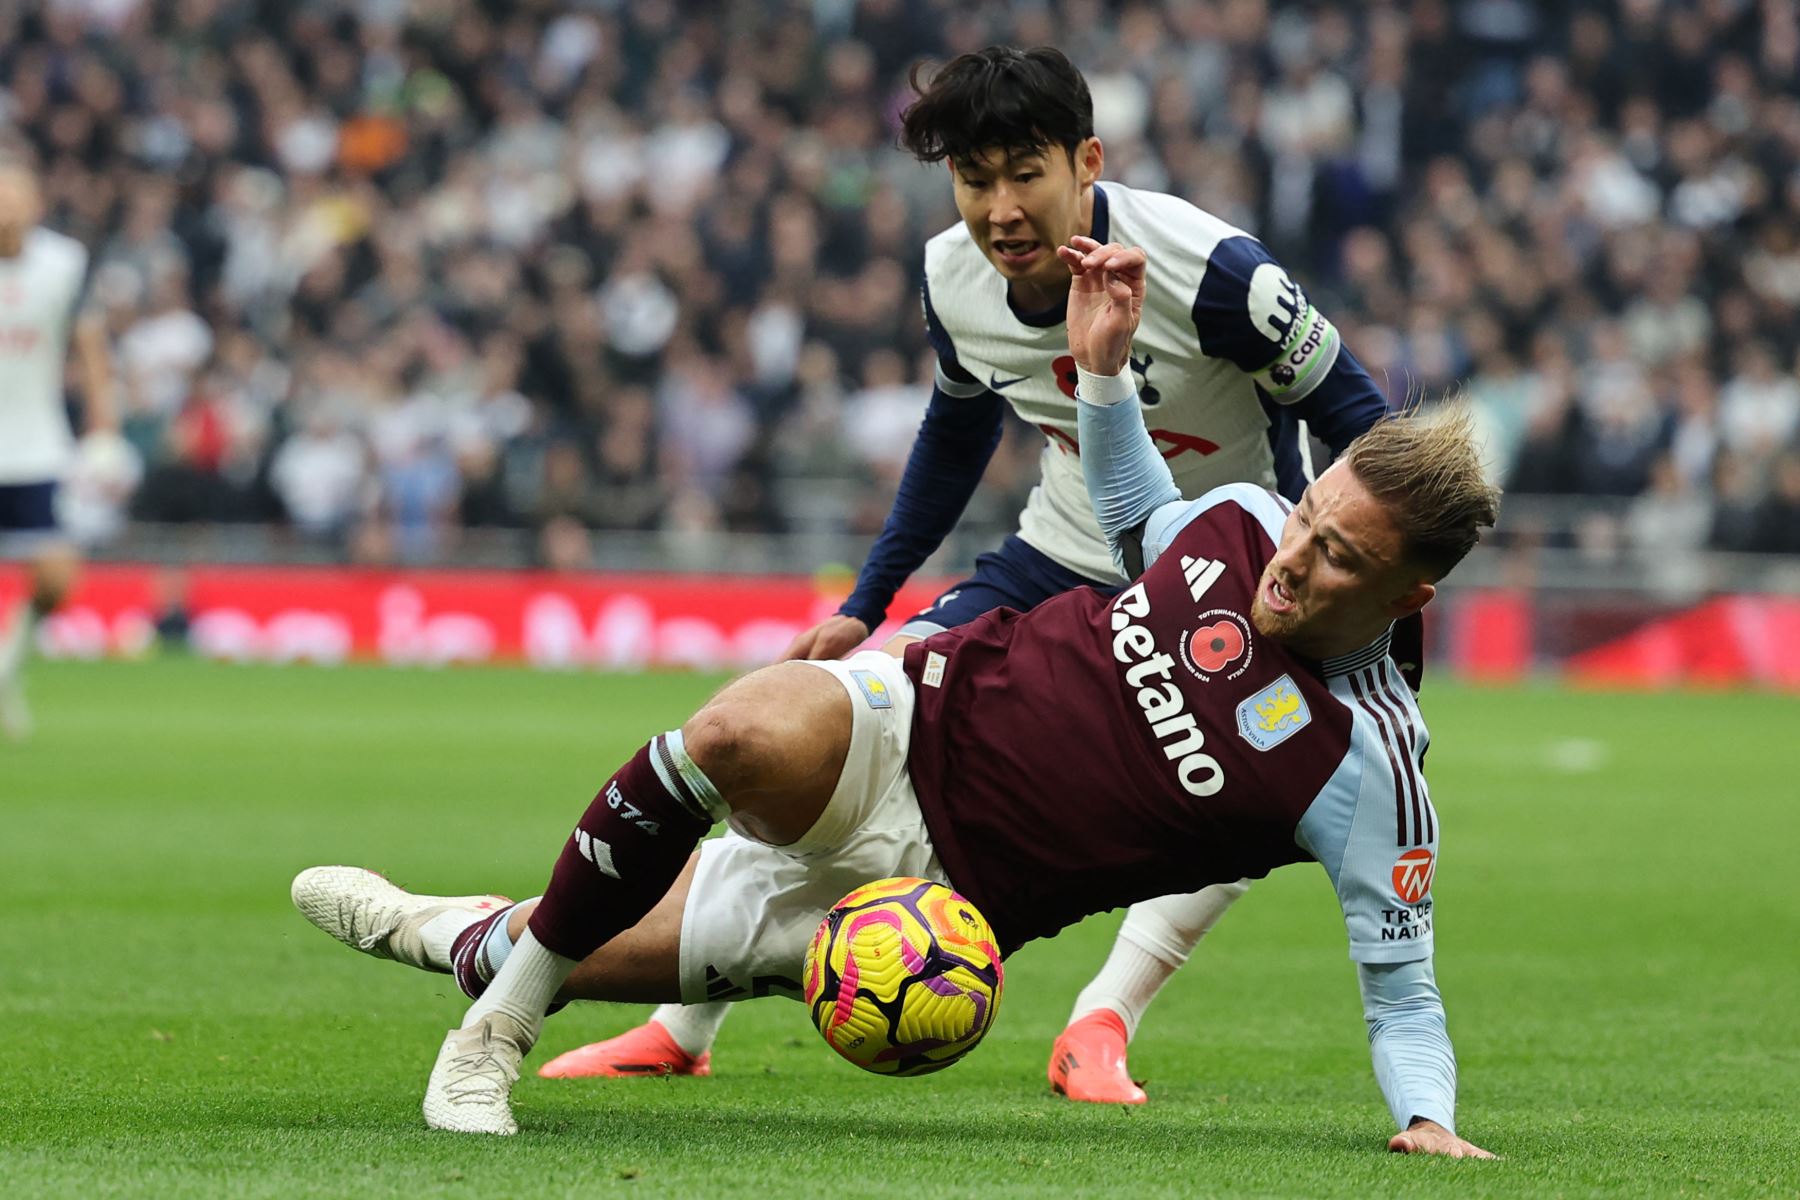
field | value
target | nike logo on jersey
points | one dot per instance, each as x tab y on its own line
997	384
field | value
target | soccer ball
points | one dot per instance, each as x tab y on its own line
903	977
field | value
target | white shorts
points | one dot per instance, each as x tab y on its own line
753	908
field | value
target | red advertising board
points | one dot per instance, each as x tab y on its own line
629	622
328	615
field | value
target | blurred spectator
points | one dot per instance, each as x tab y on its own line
1778	517
318	475
387	270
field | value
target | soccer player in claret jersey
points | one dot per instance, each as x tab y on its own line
1231	357
42	278
1233	710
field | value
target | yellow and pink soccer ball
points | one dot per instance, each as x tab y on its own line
903	977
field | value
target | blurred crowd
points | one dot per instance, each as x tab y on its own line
389	270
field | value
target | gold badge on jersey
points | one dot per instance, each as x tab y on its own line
1273	715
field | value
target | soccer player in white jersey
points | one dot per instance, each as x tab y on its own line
1089	753
42	277
1230	358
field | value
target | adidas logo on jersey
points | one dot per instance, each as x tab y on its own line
1200	573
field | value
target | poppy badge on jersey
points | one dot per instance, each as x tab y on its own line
1273	715
873	689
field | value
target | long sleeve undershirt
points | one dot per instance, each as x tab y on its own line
955	442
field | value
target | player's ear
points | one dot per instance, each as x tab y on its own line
1090	160
1411	600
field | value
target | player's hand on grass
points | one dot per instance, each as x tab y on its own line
1106	301
1428	1137
833	637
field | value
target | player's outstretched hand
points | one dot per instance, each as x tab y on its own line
1106	301
833	637
1428	1137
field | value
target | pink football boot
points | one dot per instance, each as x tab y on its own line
1088	1061
646	1050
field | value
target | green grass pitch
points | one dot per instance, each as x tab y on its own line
1619	949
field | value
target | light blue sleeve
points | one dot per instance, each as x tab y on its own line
1414	1063
1127	479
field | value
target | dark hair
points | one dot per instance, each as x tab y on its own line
1018	100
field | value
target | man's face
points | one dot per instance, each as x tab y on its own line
1020	207
1338	577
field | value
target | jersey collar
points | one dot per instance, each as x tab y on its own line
1054	315
1356	660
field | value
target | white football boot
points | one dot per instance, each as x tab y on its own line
471	1083
365	912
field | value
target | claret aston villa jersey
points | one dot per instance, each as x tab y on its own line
1098	751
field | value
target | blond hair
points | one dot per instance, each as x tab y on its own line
1427	470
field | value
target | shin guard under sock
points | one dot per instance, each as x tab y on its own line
627	849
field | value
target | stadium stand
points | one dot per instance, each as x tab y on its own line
386	272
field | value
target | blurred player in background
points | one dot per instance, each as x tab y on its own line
1230	359
42	281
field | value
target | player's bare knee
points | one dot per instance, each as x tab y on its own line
737	743
761	730
714	738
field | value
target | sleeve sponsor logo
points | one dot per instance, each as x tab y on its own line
1273	715
1276	303
1412	875
1410	921
873	689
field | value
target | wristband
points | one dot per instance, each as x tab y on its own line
1105	390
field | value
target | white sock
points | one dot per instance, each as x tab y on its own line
693	1026
17	642
525	986
1126	984
439	932
1154	941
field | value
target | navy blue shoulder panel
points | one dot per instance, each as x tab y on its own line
940	340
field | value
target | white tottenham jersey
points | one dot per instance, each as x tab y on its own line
1221	319
39	288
